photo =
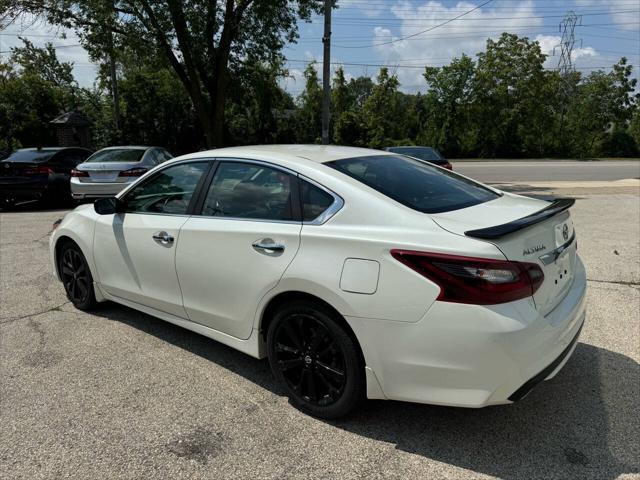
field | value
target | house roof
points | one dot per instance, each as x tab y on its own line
72	119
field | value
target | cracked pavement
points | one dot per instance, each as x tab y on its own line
119	394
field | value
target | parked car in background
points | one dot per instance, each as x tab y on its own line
111	169
39	174
356	272
427	154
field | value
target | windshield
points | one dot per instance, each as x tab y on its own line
29	156
415	184
423	153
116	155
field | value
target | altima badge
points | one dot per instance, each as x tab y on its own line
532	250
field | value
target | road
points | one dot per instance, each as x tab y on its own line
118	394
548	170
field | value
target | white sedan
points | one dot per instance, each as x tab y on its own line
358	273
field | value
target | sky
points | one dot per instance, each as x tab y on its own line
370	33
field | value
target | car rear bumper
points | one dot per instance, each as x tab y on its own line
80	190
23	190
469	355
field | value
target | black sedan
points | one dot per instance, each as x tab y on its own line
39	174
428	154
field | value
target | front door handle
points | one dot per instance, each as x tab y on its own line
163	238
268	246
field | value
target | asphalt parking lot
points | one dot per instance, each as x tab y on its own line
119	394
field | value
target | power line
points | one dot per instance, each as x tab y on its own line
379	21
424	31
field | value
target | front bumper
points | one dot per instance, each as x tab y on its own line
469	355
81	190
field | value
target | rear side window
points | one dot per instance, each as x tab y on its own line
251	191
314	201
415	184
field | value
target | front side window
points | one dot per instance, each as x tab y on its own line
168	191
251	191
314	201
415	184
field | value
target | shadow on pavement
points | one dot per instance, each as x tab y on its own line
581	424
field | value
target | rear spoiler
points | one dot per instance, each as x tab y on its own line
498	231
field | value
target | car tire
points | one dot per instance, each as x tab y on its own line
76	277
316	360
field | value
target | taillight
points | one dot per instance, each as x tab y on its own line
134	172
478	281
38	171
78	173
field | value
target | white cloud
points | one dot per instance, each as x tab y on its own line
466	35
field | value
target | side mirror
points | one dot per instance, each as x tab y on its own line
108	206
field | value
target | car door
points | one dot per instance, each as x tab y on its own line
135	251
237	250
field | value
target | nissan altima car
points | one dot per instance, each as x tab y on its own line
109	170
358	273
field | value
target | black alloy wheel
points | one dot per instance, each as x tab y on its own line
76	277
316	360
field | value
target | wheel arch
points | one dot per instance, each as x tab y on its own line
283	298
62	239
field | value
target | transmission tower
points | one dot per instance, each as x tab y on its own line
567	28
566	68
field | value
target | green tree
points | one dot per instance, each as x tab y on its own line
44	63
35	87
448	103
602	106
310	108
203	42
381	111
509	109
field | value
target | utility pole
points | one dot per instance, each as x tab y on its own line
114	80
326	73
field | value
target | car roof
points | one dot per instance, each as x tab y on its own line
49	149
411	146
291	153
129	147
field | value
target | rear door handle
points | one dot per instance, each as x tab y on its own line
268	246
163	238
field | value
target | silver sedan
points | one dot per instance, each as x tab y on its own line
109	170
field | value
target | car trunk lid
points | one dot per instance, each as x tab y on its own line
106	172
11	172
525	230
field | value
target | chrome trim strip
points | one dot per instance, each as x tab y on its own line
552	256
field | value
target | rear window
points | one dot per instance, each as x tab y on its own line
116	155
29	156
415	184
422	153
